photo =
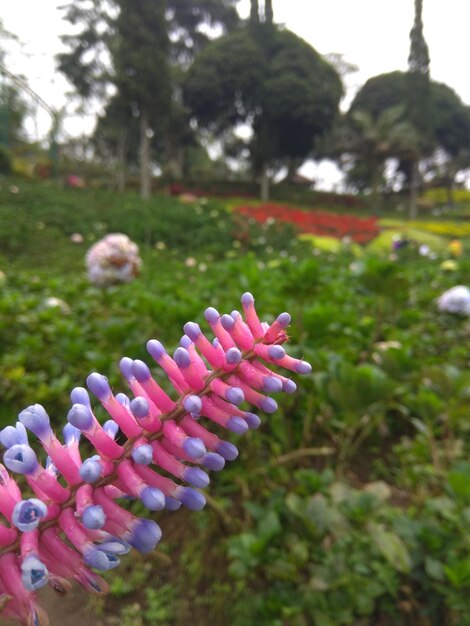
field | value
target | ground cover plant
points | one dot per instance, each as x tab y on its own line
351	503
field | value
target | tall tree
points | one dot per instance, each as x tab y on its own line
137	47
418	96
273	81
268	11
254	11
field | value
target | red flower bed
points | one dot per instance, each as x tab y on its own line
361	230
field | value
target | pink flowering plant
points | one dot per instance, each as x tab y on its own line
156	447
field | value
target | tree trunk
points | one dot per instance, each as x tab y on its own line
264	184
144	155
268	11
121	161
414	180
254	12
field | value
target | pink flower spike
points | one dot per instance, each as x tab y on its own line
151	388
7	536
213	318
255	379
151	497
191	373
211	441
226	419
192	447
266	404
276	330
251	317
7	500
146	414
213	354
63	459
159	354
239	331
67	562
234	395
44	484
117	518
277	355
82	418
288	385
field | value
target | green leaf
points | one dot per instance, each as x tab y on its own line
391	547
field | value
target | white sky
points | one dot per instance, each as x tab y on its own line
372	34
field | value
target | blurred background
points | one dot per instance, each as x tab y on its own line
318	157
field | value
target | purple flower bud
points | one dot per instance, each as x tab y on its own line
235	314
194	447
268	405
99	386
192	330
123	399
21	459
247	298
215	342
185	342
227	450
227	321
191	498
79	395
276	352
28	513
172	504
140	370
143	454
211	315
90	470
114	546
237	425
125	365
34	574
288	386
303	367
192	404
145	535
233	356
284	319
213	461
253	421
111	428
196	477
80	416
71	434
93	517
272	384
155	349
35	419
235	395
100	560
182	357
139	407
11	436
153	498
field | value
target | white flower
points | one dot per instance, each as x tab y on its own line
455	300
114	259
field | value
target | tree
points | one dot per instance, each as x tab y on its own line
137	49
273	81
418	95
447	116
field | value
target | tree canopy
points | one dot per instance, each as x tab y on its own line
273	81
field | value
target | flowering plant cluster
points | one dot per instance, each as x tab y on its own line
360	230
455	300
112	260
155	448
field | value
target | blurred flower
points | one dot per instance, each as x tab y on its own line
76	238
455	300
14	189
112	260
53	302
424	250
449	265
160	245
3	277
455	247
202	267
190	262
75	181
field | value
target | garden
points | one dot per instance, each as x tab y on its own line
348	505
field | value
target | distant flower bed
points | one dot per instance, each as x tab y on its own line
360	230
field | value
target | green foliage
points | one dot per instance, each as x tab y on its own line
5	162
